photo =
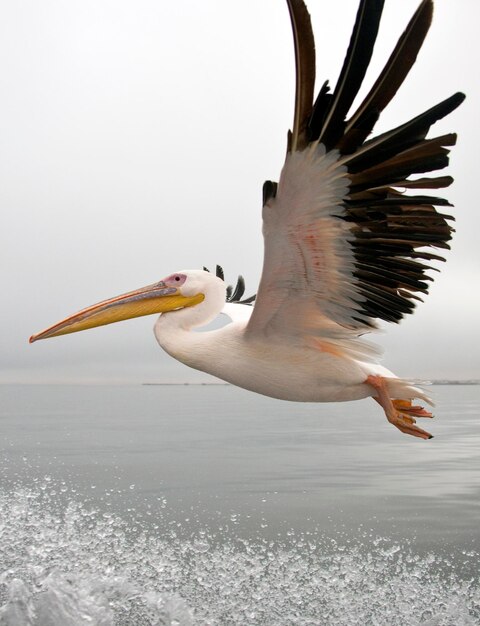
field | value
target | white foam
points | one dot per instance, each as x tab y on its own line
68	565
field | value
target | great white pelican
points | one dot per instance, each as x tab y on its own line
346	243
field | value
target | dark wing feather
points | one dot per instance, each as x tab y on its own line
394	142
304	71
353	71
269	191
390	79
304	45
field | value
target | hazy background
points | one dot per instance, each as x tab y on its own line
134	140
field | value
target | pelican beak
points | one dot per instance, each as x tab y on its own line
156	298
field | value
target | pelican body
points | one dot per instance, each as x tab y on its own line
270	366
345	244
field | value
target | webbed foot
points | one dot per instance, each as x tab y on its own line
400	413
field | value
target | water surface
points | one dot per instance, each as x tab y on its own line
211	505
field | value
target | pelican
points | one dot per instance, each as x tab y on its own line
346	243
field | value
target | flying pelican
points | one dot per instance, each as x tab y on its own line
345	244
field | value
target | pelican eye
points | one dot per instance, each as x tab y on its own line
175	280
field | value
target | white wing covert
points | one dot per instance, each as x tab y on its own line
308	260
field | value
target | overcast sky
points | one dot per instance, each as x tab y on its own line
135	138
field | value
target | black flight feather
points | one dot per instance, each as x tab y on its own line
353	70
401	138
304	71
391	77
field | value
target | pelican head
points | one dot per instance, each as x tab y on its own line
195	297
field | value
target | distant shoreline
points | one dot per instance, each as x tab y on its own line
222	384
187	384
455	382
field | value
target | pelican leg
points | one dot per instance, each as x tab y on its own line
400	413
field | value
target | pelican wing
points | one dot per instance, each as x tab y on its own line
344	243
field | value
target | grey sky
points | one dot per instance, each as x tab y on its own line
135	137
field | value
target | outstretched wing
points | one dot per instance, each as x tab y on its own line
344	243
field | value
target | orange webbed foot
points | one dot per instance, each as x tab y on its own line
400	413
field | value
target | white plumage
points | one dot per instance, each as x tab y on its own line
279	364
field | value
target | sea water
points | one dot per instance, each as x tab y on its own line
207	505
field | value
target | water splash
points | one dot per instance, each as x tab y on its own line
70	565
